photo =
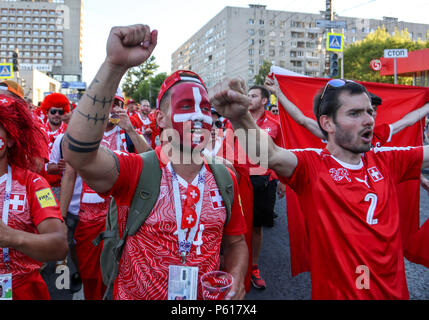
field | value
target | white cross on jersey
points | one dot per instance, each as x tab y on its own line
17	202
217	200
375	174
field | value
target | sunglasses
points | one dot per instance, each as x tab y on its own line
334	83
54	111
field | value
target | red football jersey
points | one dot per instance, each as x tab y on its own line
31	202
352	216
143	271
382	135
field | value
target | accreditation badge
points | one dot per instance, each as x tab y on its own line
6	286
182	283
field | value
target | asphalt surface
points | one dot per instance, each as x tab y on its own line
275	266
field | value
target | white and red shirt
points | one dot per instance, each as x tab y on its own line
31	202
352	216
143	271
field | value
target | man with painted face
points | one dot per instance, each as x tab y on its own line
186	187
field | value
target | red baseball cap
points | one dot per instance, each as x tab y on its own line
179	75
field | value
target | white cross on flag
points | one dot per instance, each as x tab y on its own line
217	200
17	202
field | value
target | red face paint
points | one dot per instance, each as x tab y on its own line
190	113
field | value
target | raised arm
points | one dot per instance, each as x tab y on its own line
126	47
296	114
230	100
410	118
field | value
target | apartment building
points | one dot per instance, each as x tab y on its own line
237	41
47	35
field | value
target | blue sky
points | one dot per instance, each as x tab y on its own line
177	21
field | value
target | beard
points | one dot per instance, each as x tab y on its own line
345	140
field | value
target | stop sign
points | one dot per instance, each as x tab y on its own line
375	65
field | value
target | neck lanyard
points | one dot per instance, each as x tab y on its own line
5	215
185	243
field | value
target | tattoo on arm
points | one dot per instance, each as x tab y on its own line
79	146
95	118
104	101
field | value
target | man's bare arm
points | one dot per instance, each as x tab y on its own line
296	114
126	48
230	100
410	118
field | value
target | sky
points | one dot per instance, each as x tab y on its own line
176	21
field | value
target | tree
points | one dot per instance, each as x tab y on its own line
357	56
259	79
137	75
149	88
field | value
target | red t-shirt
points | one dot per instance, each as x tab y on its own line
143	271
31	202
352	218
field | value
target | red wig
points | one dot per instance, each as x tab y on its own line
30	141
55	100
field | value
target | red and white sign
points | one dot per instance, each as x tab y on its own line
217	200
376	64
17	202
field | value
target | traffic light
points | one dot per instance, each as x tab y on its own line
333	65
15	61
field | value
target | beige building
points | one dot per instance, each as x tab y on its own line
237	41
38	85
47	35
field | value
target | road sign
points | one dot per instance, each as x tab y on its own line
334	42
396	53
328	24
6	70
375	65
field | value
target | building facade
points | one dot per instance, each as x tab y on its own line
237	41
46	34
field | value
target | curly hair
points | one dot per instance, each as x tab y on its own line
29	139
56	100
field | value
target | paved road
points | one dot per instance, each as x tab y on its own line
275	266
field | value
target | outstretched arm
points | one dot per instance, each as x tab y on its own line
410	118
230	100
126	47
296	114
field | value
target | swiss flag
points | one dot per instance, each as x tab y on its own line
217	200
189	218
17	202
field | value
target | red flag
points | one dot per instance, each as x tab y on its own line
398	100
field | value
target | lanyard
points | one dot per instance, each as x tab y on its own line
185	243
5	215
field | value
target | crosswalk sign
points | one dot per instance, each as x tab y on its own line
6	71
334	42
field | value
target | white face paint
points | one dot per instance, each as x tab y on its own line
197	115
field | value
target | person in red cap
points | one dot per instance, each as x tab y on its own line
54	106
31	228
179	234
145	122
131	107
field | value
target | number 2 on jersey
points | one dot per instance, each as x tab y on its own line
372	198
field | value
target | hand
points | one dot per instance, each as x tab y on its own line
272	85
61	165
124	122
281	190
130	46
237	291
5	235
229	98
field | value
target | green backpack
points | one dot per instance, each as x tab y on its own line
144	199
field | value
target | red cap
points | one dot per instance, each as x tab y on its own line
179	75
130	101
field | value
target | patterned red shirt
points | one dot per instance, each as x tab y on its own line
31	202
143	271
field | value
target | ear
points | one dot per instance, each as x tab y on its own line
161	119
10	143
327	124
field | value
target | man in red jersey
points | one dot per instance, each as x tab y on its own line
351	201
264	181
31	228
185	229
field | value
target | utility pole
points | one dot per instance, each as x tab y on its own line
329	15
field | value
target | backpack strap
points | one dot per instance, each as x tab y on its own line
224	182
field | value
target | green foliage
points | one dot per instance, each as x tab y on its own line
137	75
263	71
357	56
149	88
